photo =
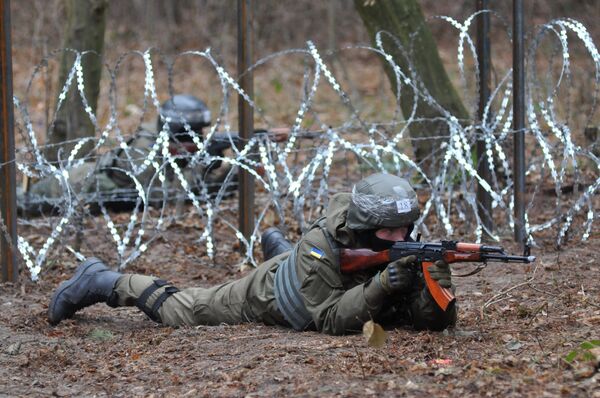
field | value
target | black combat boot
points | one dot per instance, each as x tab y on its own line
92	283
274	243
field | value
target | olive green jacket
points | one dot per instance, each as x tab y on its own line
341	303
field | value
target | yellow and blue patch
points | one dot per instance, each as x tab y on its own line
317	253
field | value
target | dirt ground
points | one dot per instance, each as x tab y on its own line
509	345
513	347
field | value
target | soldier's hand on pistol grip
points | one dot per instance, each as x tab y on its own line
440	272
399	276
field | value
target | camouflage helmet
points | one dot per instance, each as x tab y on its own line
182	109
382	201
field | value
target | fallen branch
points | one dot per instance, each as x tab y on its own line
503	295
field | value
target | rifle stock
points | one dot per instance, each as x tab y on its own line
353	260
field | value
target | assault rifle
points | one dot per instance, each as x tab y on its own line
352	260
221	141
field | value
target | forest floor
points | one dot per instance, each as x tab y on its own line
510	345
515	346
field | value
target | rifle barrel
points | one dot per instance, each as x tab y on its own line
508	258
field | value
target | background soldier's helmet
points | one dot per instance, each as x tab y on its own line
182	109
382	201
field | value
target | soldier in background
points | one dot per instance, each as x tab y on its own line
106	181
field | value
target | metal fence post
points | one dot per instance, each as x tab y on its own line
484	199
8	202
519	120
246	114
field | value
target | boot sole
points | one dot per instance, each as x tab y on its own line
67	284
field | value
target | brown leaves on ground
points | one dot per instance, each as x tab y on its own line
517	347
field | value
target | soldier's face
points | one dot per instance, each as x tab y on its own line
392	234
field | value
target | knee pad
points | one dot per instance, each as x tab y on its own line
151	309
274	243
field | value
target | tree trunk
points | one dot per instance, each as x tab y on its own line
404	19
84	31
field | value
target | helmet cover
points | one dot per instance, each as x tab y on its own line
382	201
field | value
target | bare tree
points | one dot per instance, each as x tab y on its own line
404	20
84	32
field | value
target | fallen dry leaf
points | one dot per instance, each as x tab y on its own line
374	334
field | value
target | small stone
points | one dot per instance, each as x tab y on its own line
445	371
510	360
14	348
62	391
514	345
411	386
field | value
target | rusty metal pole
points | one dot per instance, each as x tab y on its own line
8	201
246	114
483	58
519	120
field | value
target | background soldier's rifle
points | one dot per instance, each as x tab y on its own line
220	142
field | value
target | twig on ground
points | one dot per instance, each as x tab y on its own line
535	336
543	292
537	311
503	295
360	362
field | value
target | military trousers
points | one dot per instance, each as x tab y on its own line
249	299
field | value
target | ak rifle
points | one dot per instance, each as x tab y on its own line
352	260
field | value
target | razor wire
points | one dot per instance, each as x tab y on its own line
295	177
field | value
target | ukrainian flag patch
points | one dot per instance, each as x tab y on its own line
317	253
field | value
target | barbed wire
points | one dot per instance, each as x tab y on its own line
294	177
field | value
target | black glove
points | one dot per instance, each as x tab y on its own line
440	272
399	276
